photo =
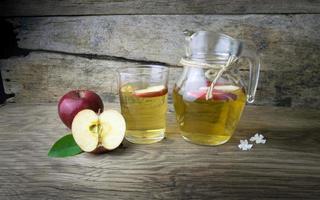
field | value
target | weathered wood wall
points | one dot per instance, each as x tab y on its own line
115	7
65	52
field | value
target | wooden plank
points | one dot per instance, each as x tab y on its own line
281	40
113	7
45	77
286	167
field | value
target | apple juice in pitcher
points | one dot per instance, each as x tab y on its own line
211	121
209	95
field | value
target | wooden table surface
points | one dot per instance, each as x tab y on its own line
286	167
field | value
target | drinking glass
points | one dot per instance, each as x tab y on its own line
143	98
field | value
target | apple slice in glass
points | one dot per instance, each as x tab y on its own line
152	91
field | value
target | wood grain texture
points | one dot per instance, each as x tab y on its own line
45	77
286	167
284	41
115	7
288	46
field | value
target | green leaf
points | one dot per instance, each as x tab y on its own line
64	147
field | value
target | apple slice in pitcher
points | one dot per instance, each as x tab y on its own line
152	91
225	92
219	93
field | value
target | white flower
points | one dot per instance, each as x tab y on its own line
258	138
244	145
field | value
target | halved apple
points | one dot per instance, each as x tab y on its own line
152	91
93	132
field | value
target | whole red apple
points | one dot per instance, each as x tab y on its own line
75	101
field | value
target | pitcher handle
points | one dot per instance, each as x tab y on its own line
254	66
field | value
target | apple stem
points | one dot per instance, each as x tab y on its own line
99	111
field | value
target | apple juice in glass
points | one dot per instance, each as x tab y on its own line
143	99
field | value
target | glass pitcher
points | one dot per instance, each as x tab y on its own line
209	96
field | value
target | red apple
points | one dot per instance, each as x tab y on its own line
75	101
